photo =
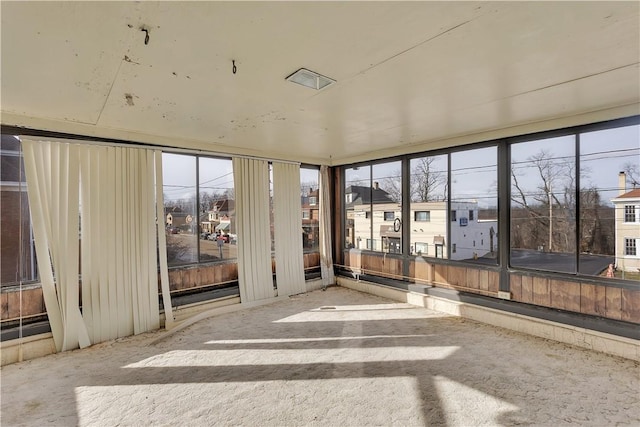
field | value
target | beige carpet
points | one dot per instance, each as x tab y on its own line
334	358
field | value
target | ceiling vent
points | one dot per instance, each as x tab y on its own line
310	79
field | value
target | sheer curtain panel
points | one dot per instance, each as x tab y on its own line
287	217
52	185
326	258
251	179
113	191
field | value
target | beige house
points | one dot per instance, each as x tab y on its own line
627	208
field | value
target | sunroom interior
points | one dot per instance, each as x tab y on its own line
163	159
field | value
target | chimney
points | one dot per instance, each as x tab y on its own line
376	186
622	183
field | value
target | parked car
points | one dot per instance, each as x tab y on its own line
174	230
214	237
205	235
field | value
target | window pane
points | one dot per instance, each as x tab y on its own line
608	201
17	253
474	188
543	205
217	229
181	216
386	199
310	209
357	207
428	191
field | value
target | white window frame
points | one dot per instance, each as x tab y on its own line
635	245
631	212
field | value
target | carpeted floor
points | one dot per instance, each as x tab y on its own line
334	358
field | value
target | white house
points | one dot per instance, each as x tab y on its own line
381	229
627	217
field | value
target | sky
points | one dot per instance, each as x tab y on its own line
603	155
216	175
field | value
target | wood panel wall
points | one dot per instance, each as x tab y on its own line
575	296
198	276
32	303
587	298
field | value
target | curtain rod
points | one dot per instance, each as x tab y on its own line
71	138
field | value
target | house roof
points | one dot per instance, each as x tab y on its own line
364	195
633	194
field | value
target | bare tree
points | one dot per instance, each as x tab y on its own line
550	207
393	186
427	183
632	171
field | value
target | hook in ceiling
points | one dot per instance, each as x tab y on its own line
146	35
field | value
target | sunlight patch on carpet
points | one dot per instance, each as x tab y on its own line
467	406
307	356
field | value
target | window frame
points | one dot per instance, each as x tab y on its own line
427	215
631	243
630	214
198	209
502	212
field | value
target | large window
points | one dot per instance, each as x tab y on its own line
18	252
199	209
573	205
216	224
180	208
609	172
474	187
428	195
543	204
386	207
374	207
357	207
310	194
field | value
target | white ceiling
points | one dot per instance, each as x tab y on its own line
410	75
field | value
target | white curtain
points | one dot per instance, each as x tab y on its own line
288	229
162	245
251	180
52	184
326	259
118	234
